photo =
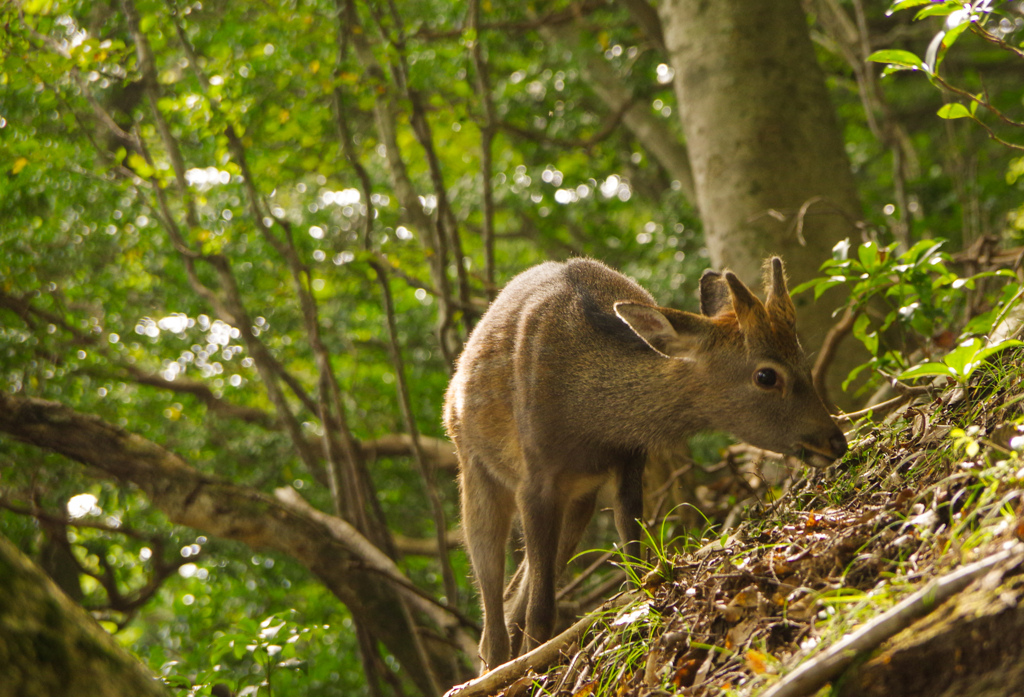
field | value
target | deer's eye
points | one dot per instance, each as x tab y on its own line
766	377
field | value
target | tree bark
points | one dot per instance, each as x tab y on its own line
51	646
337	554
770	170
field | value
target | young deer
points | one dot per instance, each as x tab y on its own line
571	376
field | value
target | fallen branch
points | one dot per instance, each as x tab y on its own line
538	659
823	668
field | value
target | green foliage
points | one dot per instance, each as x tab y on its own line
961	362
979	17
910	301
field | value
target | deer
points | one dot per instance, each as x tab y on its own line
570	377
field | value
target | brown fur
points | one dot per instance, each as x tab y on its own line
571	376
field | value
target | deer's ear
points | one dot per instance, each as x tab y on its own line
714	294
673	333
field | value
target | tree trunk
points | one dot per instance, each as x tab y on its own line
51	646
770	170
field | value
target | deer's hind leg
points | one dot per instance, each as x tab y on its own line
517	594
487	508
629	507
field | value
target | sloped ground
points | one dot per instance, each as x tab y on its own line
933	487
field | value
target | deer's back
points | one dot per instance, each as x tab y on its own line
538	369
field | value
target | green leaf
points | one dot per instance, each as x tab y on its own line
897	57
868	255
961	360
831	282
926	370
905	4
943	10
855	372
869	339
953	34
139	164
37	7
806	285
956	110
923	250
996	348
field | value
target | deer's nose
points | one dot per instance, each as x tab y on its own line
838	443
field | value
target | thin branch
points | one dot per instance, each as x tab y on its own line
829	346
440	526
201	391
995	40
374	561
117	601
102	114
55	639
657	139
346	484
611	122
487	131
386	118
147	68
448	234
552	18
851	40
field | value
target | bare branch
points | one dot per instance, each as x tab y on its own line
555	17
386	118
828	349
440	527
487	131
662	144
147	67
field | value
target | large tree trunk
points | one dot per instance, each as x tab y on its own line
51	646
770	171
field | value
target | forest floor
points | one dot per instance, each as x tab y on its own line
925	493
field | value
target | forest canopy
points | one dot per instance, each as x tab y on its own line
243	243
